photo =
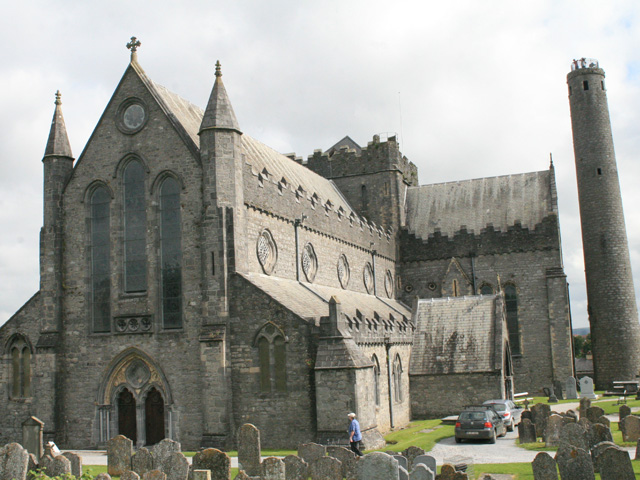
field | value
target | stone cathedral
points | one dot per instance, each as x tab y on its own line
192	279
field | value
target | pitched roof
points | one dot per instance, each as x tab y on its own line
456	335
346	142
498	201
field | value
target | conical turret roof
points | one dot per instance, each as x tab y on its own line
58	143
219	112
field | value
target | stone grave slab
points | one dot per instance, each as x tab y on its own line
119	453
325	468
311	451
378	466
586	388
249	449
544	467
296	468
142	461
212	459
272	468
574	463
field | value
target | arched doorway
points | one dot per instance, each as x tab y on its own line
127	415
154	417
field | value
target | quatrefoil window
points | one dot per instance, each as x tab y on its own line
267	252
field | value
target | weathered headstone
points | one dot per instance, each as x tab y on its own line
427	460
411	453
154	475
59	466
272	468
348	459
103	476
558	388
421	472
630	427
594	413
176	466
448	472
242	475
14	461
600	433
249	449
32	429
574	435
402	460
162	450
45	463
402	473
570	416
119	453
217	462
311	451
296	468
586	388
623	411
544	467
552	432
526	431
552	396
614	464
584	404
33	465
378	466
201	475
596	450
574	463
142	461
76	463
325	468
540	413
129	475
570	388
604	421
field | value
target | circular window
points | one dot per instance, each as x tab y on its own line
343	271
367	278
388	284
267	251
132	116
408	288
432	286
309	262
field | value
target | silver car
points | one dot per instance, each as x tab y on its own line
509	411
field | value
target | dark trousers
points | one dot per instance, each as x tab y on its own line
355	448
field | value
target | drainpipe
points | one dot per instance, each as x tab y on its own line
296	224
473	272
373	264
387	344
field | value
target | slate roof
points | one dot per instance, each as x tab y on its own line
58	142
346	142
457	335
498	201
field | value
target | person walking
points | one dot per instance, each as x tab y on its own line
354	434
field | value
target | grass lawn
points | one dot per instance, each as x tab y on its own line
523	471
421	433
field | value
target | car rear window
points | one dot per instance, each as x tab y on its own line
499	407
470	416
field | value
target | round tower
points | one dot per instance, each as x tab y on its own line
613	313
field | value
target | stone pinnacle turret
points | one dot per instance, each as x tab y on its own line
613	313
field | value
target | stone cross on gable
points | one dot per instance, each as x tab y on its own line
58	98
218	69
133	46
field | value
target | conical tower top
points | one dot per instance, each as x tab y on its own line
219	113
58	142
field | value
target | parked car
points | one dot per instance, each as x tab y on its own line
509	410
481	422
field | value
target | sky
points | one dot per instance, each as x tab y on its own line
472	89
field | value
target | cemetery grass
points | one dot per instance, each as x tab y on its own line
523	471
540	446
421	433
94	470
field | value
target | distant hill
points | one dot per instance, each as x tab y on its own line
581	331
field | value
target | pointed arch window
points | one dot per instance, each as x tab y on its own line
376	379
20	369
171	254
100	261
513	324
397	379
135	228
271	344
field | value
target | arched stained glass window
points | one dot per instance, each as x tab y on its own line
376	379
20	369
100	261
397	378
135	228
511	306
171	254
272	358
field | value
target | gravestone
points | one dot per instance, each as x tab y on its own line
162	450
129	475
570	416
574	435
402	460
558	388
630	427
552	432
594	413
378	466
614	464
142	461
540	413
604	421
176	466
296	468
448	472
586	388
600	433
427	460
596	450
217	462
272	468
570	388
249	449
32	466
411	453
59	466
45	462
76	463
32	429
201	475
544	467
623	411
552	395
14	461
325	468
154	475
574	463
402	473
421	472
584	404
526	431
348	459
103	476
119	453
311	451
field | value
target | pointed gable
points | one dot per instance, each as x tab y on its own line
58	142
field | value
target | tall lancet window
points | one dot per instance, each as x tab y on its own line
135	228
100	261
171	254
